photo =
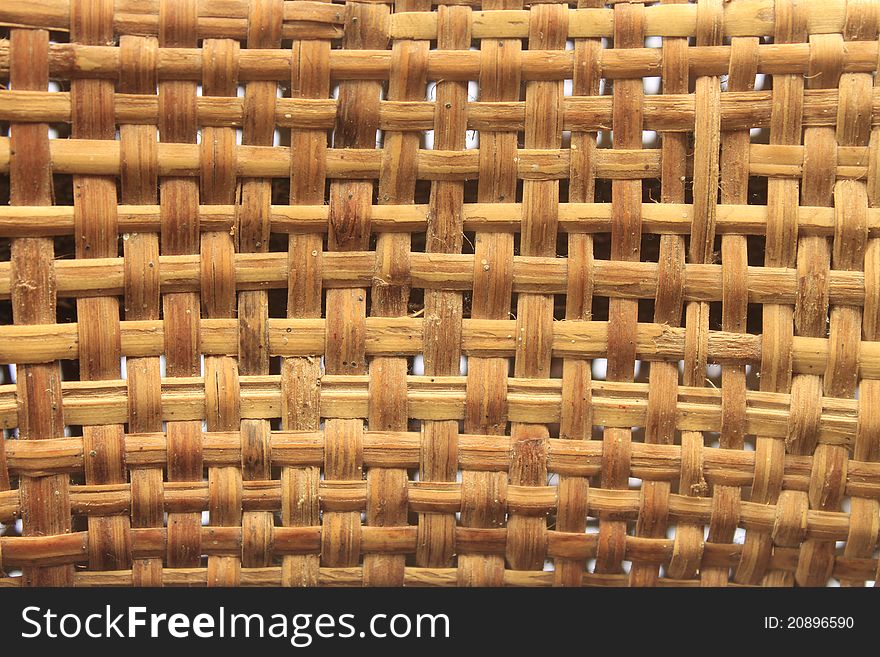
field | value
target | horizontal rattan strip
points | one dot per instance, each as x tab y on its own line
404	336
742	18
385	449
228	18
657	218
662	112
216	18
443	398
352	496
103	157
784	559
75	60
73	548
614	279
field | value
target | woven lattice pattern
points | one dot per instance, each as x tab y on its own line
469	293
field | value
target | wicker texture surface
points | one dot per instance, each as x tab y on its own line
470	293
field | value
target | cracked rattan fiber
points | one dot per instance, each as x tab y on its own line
439	293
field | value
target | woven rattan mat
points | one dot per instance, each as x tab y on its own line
468	293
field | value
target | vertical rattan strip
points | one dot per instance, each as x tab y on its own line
438	462
350	209
387	487
265	18
734	304
95	225
813	261
862	25
526	534
179	213
663	377
688	548
301	376
850	198
483	494
626	235
778	319
217	162
139	168
45	500
576	415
